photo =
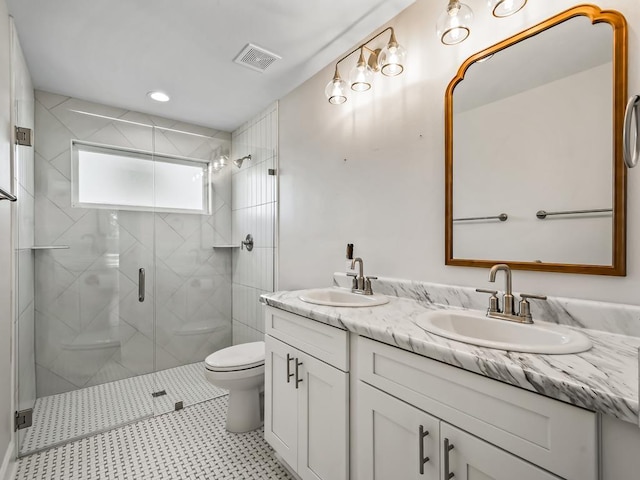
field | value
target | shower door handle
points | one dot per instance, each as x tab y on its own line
141	286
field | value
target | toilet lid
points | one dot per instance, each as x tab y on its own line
237	357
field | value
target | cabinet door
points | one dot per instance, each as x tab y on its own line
281	400
474	459
323	429
394	438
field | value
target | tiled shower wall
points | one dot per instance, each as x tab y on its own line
90	327
254	210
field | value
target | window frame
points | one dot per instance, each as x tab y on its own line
79	145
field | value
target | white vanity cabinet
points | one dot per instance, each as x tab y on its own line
340	406
497	431
307	395
399	441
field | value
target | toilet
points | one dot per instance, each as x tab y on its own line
239	369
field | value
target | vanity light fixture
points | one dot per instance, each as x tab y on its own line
221	161
391	58
504	8
158	96
336	90
454	25
388	60
361	75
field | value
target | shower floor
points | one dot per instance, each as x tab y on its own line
191	444
69	416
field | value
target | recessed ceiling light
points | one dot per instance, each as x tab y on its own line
158	96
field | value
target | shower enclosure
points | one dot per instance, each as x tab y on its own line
120	293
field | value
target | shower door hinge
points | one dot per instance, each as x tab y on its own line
24	136
23	419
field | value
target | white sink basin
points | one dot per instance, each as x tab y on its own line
477	329
336	297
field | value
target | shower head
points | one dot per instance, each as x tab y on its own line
238	162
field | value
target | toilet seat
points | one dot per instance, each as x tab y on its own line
244	356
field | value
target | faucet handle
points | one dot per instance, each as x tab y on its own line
525	306
352	274
367	285
524	296
482	290
494	303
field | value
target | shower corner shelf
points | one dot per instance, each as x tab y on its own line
226	246
50	247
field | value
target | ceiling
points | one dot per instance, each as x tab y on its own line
115	51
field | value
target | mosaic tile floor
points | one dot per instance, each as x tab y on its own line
72	415
191	444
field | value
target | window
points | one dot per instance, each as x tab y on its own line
111	177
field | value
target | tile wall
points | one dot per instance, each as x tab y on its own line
90	327
254	210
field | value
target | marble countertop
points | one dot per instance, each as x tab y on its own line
603	379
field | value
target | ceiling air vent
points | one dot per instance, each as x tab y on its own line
256	58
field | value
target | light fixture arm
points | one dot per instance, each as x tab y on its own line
364	45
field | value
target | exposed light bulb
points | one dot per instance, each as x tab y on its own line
361	75
392	57
454	24
336	89
505	8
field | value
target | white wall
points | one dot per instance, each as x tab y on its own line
533	162
388	197
6	364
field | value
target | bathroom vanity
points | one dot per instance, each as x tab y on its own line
366	393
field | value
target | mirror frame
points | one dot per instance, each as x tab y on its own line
620	66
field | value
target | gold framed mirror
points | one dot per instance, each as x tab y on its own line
534	170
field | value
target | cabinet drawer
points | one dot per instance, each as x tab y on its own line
558	437
326	343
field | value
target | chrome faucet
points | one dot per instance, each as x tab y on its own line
361	284
507	298
509	313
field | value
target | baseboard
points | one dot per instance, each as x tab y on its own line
8	467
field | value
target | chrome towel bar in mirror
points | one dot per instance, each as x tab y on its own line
542	214
502	217
7	196
631	158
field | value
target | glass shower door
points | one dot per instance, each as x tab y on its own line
94	328
193	279
24	301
